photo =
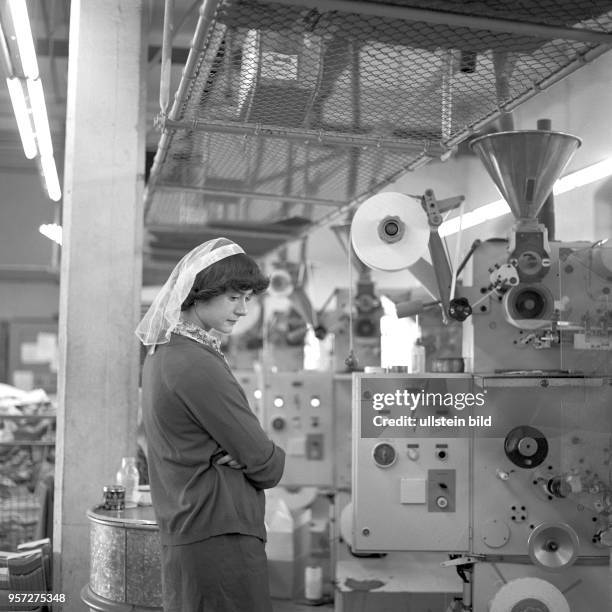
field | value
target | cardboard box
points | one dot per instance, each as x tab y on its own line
288	551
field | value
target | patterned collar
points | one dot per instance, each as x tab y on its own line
189	330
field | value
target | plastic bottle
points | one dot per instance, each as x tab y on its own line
313	582
128	476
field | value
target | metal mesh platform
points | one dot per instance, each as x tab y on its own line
291	113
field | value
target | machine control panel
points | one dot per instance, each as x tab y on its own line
298	414
441	490
543	462
411	461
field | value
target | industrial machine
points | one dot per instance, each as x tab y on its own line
503	471
537	304
299	416
541	494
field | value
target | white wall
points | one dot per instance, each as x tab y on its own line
23	208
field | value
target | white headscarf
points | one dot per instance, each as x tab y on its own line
165	311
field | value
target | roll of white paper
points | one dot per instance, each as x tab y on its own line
393	253
528	592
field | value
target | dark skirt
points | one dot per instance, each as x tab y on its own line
226	573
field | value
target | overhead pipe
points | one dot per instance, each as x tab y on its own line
186	15
503	66
408	13
285	133
237	230
208	10
245	194
446	119
244	205
166	61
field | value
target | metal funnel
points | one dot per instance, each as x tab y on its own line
525	165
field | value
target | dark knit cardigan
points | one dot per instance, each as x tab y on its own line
193	410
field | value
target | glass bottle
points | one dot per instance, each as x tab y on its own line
128	476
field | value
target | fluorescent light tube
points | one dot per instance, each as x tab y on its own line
49	171
590	174
43	137
587	175
23	34
39	114
475	217
53	231
22	116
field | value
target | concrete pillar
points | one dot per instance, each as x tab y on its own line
101	271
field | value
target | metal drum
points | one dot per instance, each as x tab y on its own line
125	572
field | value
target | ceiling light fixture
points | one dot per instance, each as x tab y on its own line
23	34
22	116
53	231
26	92
499	208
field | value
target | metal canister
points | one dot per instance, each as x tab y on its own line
447	364
114	497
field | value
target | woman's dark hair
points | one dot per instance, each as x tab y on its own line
235	273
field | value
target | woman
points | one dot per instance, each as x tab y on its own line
209	459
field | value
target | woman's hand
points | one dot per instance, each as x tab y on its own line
229	461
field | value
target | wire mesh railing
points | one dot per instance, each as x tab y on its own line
292	110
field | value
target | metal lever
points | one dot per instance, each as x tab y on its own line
466	560
434	210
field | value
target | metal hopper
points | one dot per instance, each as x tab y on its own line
525	165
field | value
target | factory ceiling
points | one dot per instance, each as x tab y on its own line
290	113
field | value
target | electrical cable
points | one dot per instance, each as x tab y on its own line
350	291
455	267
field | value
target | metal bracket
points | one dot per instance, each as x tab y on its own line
467	560
434	208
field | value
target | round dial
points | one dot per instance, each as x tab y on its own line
384	454
278	423
526	446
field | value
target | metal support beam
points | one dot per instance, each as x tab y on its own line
206	18
177	28
245	194
302	135
324	160
29	273
408	13
257	231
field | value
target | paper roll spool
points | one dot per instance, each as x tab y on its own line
346	524
281	283
299	499
527	594
372	248
553	546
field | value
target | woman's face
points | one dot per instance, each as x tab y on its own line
223	311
